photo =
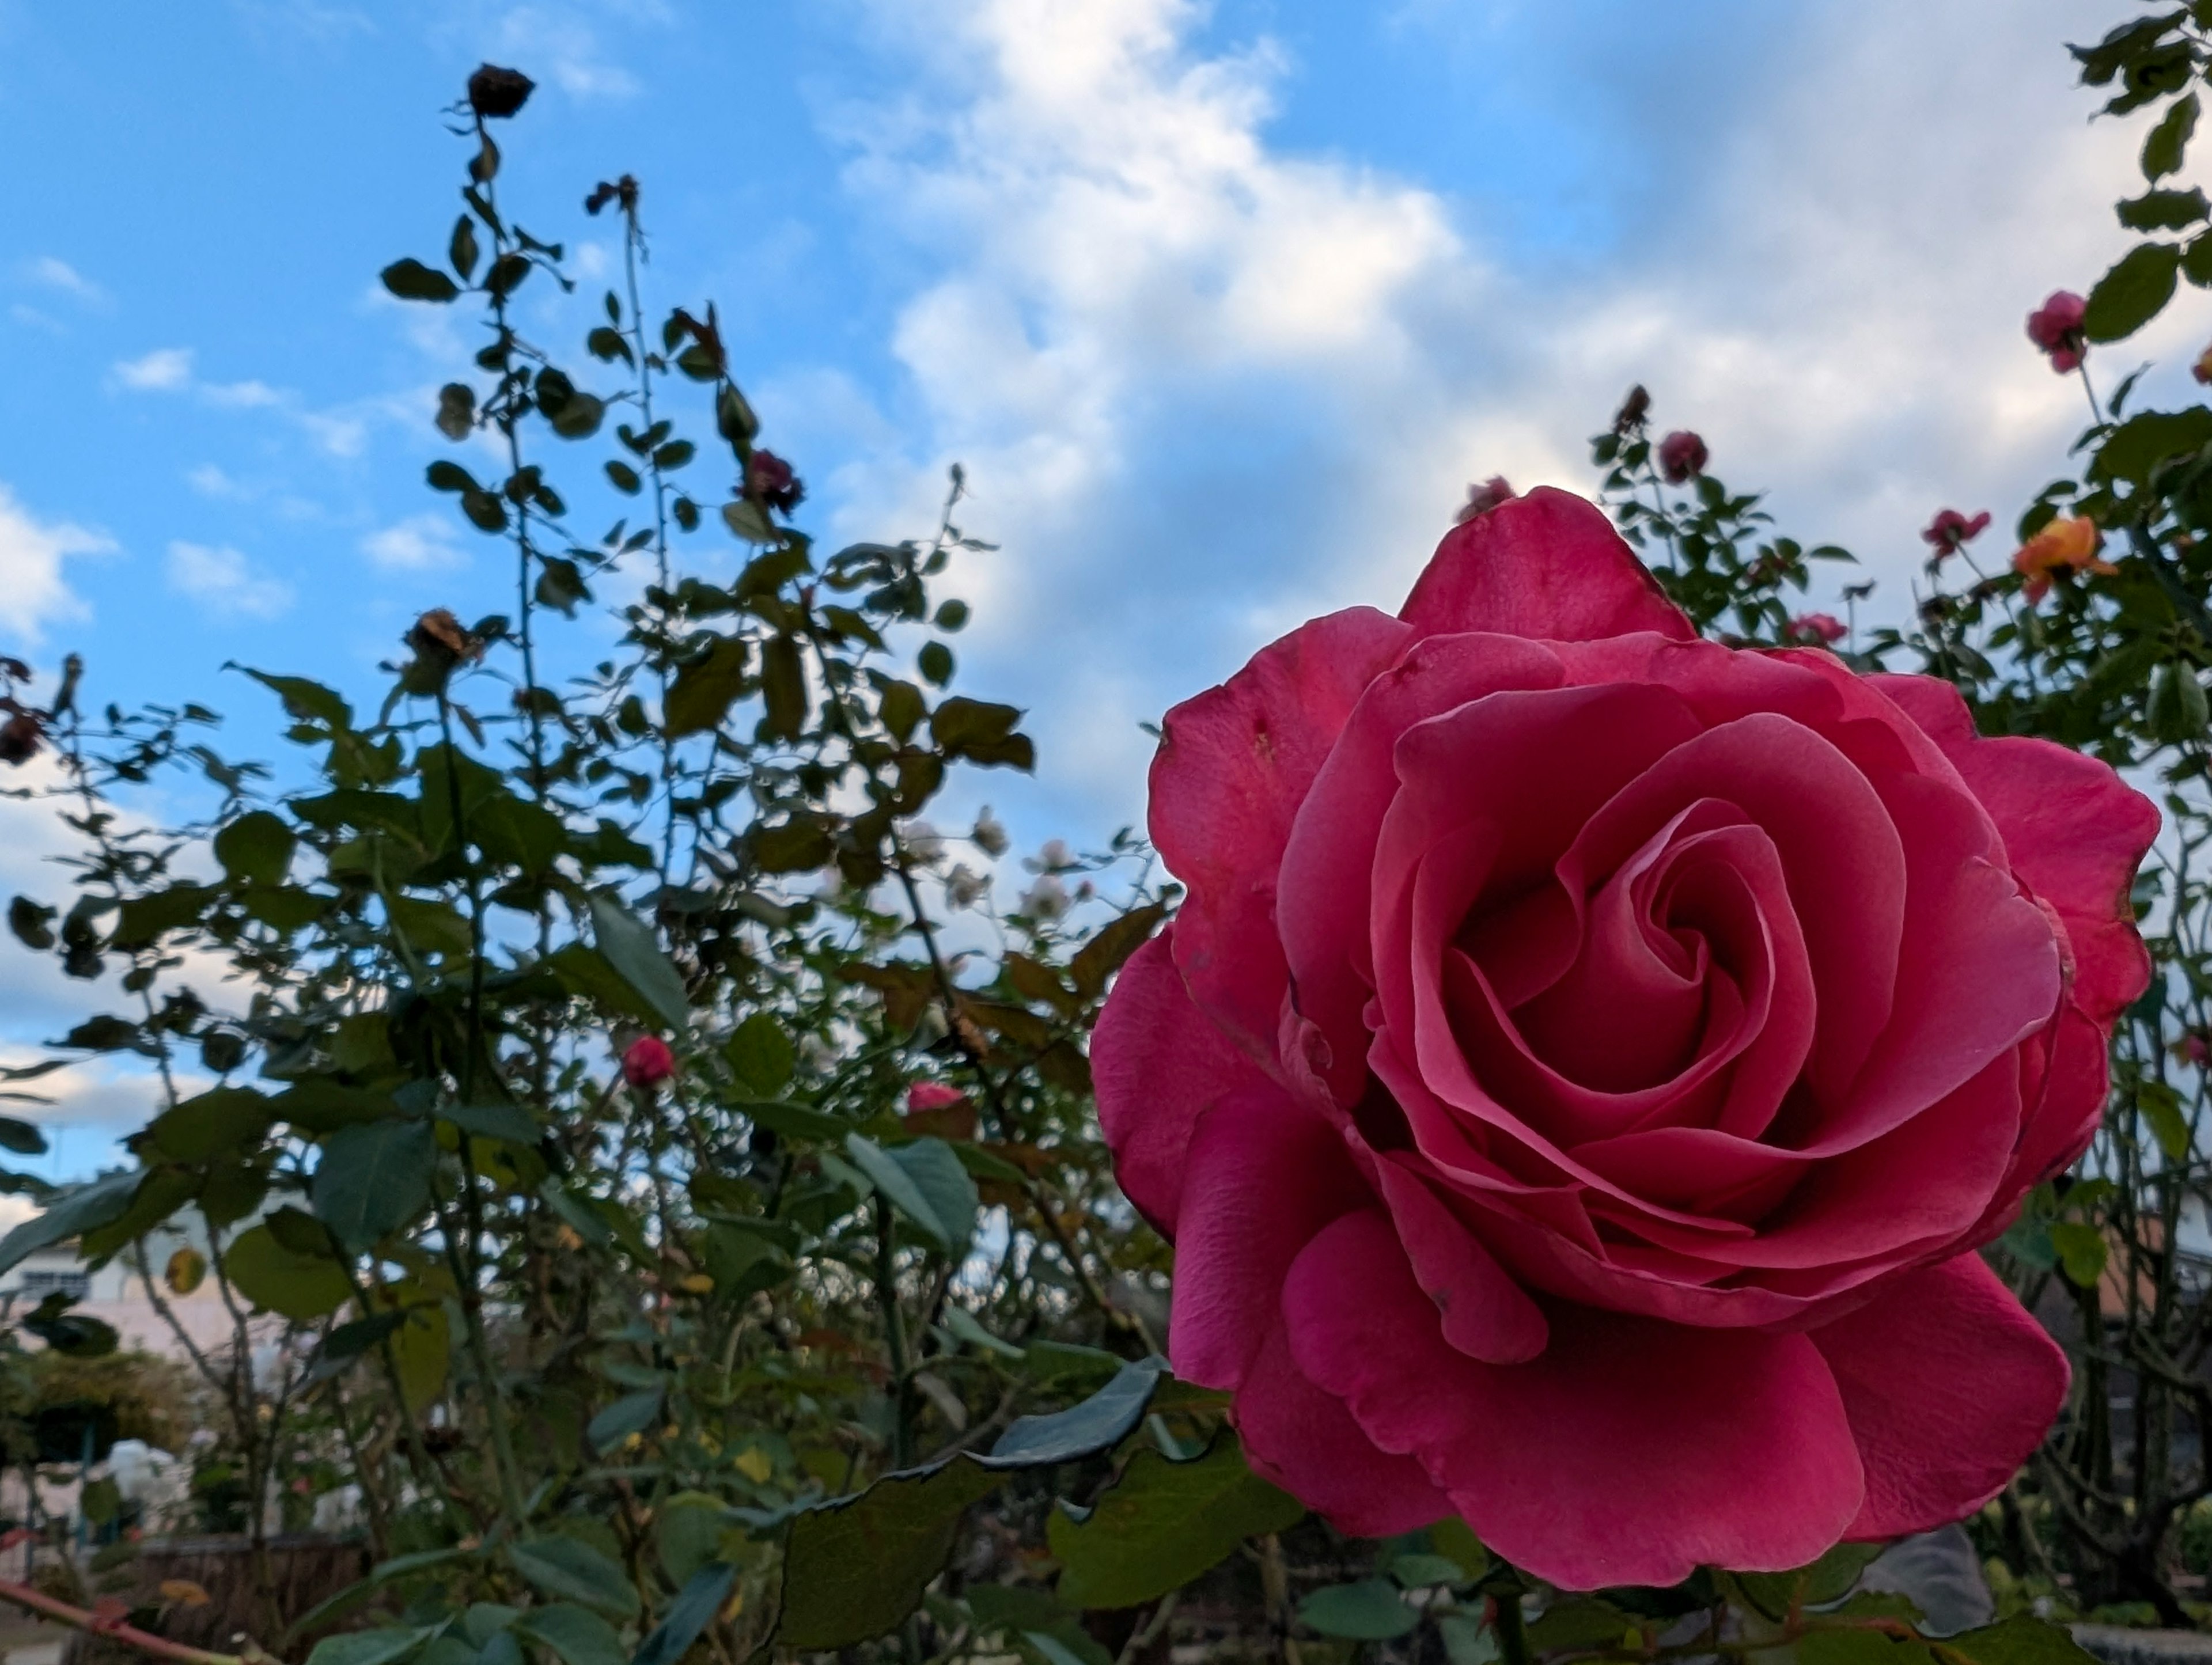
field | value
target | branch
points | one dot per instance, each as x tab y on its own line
130	1636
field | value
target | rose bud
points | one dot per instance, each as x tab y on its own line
1950	531
647	1062
1633	410
1825	628
495	93
1481	499
1587	1059
769	478
1682	457
2056	327
19	739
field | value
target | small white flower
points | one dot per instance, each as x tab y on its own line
1045	900
990	834
1056	855
965	886
923	842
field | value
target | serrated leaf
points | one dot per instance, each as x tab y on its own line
282	1280
2132	293
1099	1423
856	1568
373	1179
1163	1524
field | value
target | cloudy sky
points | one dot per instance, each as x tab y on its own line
1222	306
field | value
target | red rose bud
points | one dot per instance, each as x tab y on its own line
1481	499
2202	368
769	478
648	1062
1682	457
1823	628
2056	327
1950	531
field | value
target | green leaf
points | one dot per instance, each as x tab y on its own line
1163	1524
282	1280
924	1183
377	1647
2133	450
570	1571
795	1120
307	702
2164	211
21	1137
856	1568
1418	1571
2132	293
1109	948
1099	1423
410	280
783	687
935	663
749	520
2021	1641
1369	1611
633	1414
1467	1639
256	848
373	1179
1827	1580
509	1123
704	689
222	1121
579	1636
70	1214
348	1344
2081	1251
1578	1622
31	922
691	1613
625	477
2164	145
760	1055
629	948
2161	1108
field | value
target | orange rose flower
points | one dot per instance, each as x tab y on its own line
2067	544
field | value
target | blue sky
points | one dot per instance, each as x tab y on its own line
1222	306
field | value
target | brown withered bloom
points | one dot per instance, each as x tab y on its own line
19	737
495	93
769	478
621	192
1633	410
441	639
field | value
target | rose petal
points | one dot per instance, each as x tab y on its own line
1305	1441
1233	766
1628	1453
1265	1174
1549	566
1486	1315
1949	1385
1159	1063
2074	830
1321	906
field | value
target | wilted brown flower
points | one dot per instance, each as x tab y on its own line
495	93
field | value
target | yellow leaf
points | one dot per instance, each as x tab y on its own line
754	1465
187	1267
184	1591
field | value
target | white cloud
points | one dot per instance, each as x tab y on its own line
420	543
53	273
241	395
564	50
164	370
32	552
1206	386
211	481
224	582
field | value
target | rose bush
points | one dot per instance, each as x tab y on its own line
1589	1055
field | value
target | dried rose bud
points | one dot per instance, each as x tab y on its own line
1481	499
1633	410
495	94
769	478
19	739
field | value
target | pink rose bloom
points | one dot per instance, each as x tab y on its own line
647	1062
1587	1057
1823	628
2056	327
1951	531
1682	457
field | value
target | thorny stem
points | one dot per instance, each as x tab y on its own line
130	1636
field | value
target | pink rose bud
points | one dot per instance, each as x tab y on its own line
932	1095
1481	499
2056	327
1682	457
1950	531
648	1062
1823	628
